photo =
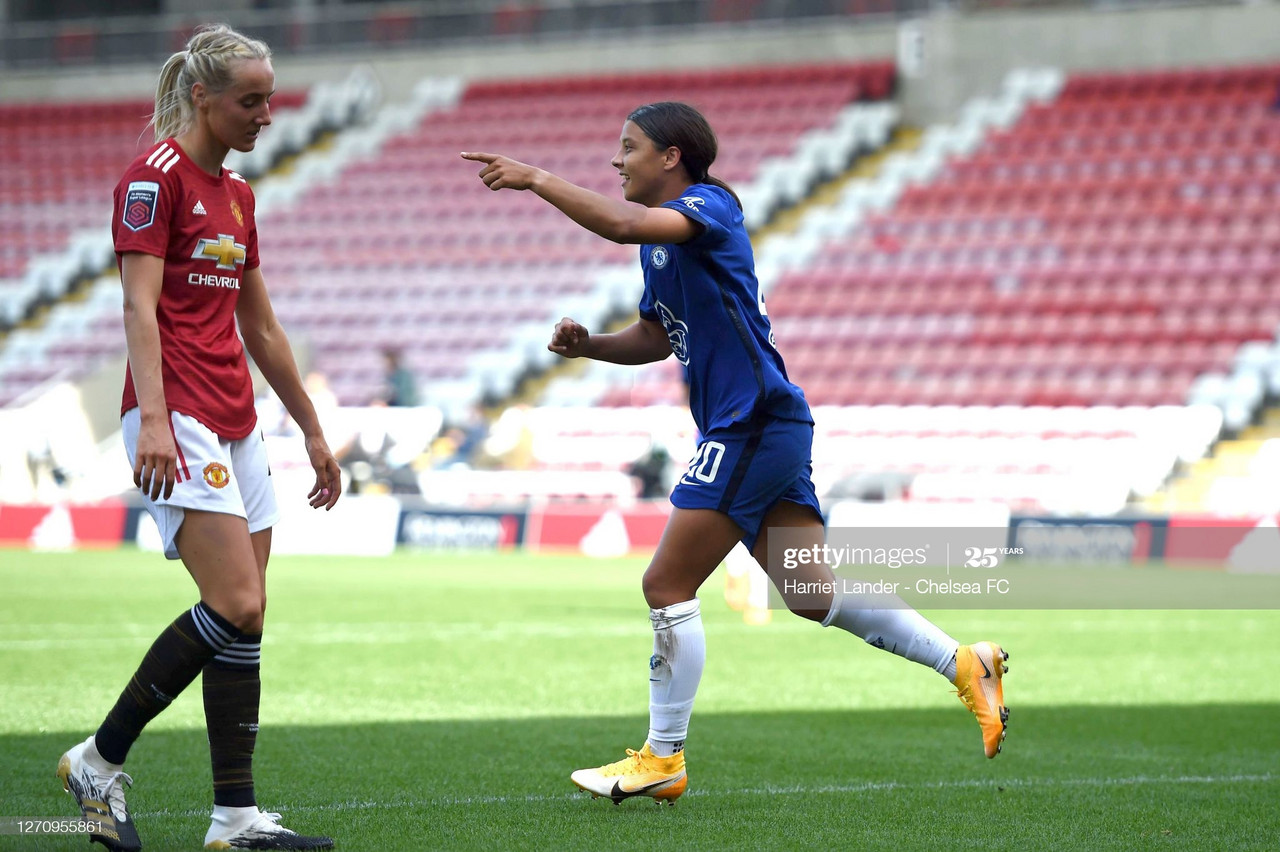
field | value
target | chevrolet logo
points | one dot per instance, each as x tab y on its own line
225	250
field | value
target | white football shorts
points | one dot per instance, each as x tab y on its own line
214	475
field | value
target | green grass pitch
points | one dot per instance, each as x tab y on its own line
430	701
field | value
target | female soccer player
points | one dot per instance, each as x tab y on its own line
187	247
751	473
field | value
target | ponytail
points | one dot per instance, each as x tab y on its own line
715	181
206	59
173	106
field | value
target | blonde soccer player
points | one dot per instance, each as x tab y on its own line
187	245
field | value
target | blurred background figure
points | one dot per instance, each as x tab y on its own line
509	444
402	385
653	469
459	440
322	396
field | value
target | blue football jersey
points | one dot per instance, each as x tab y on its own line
705	294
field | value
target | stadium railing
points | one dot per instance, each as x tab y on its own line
316	28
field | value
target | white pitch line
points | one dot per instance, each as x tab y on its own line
1026	783
797	790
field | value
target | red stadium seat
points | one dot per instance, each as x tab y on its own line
1149	198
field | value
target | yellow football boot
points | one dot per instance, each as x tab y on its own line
979	670
641	773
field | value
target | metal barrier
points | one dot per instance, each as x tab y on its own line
312	27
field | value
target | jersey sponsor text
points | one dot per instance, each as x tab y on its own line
214	281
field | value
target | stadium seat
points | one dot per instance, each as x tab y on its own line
1127	281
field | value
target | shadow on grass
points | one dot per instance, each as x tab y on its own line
1072	777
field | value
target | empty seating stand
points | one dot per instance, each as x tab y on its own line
61	162
407	250
1109	247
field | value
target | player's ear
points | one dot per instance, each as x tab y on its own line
199	95
670	158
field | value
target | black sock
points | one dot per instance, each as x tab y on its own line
232	689
173	661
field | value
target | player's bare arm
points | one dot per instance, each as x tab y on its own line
639	343
266	341
620	221
156	463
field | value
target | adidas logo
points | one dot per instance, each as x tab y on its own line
198	210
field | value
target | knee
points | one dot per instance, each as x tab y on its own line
652	588
811	607
659	592
815	615
244	610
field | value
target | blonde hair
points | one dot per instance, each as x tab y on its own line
207	59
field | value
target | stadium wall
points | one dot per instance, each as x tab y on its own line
378	524
946	57
964	56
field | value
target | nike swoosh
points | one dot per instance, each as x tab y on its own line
619	794
986	672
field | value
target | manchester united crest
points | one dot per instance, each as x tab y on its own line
216	475
235	211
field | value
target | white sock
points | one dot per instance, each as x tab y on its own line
886	621
233	819
97	762
679	653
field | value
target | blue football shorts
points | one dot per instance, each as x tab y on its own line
744	470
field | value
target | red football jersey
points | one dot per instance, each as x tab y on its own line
203	227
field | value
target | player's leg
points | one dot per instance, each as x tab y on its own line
804	526
232	689
693	544
722	499
887	622
233	686
93	770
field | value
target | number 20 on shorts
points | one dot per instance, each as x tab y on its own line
706	462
